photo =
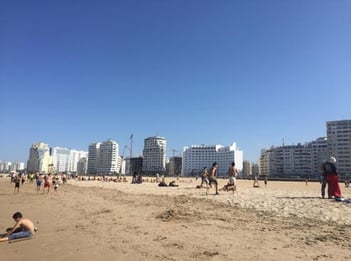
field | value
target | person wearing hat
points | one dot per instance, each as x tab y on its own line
332	178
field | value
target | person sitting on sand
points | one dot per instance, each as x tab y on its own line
255	184
134	178
230	186
23	228
139	179
163	182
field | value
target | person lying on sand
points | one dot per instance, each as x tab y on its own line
230	186
173	184
23	228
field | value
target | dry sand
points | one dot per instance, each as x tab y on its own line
95	220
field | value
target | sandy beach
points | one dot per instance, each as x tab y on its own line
95	220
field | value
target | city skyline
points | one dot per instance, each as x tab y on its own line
195	72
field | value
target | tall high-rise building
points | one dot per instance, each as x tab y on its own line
154	155
39	158
93	154
319	153
108	158
175	166
247	168
75	157
82	166
103	158
339	144
134	165
61	159
196	157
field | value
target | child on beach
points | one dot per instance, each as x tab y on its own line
55	183
23	228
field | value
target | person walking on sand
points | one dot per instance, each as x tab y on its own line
233	174
17	181
204	178
23	179
212	177
23	228
332	178
47	183
38	181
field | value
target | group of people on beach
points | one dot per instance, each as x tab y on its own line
329	177
47	180
210	177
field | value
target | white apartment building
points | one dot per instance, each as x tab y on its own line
154	155
319	154
107	162
66	160
196	157
103	158
75	157
5	166
293	160
339	144
247	168
61	159
39	158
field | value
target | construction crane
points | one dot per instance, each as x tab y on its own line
124	150
122	158
174	151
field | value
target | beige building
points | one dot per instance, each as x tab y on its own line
39	158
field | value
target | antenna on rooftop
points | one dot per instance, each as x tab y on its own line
131	145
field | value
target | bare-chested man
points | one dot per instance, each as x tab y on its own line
47	181
232	174
212	177
23	228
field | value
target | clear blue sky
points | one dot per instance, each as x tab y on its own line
193	71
